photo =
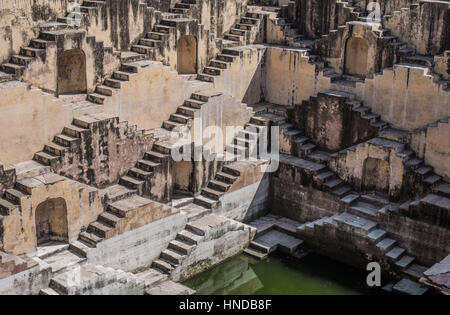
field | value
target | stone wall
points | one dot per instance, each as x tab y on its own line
136	249
289	78
223	239
425	27
244	78
82	206
304	203
248	197
408	97
28	282
331	122
19	22
42	116
429	144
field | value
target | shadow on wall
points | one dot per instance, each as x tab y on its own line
51	221
71	72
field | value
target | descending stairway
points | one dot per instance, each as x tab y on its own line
377	238
241	34
94	279
48	34
244	145
183	7
178	249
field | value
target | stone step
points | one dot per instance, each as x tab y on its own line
54	149
139	174
67	141
90	238
408	287
189	237
14	195
376	235
118	192
186	111
45	158
100	229
443	190
74	131
212	193
154	156
433	201
415	271
132	183
206	202
171	125
231	170
110	218
433	179
255	253
194	103
364	209
334	183
260	247
122	207
181	246
342	191
218	185
226	178
404	262
172	256
353	223
395	253
386	244
146	165
6	207
180	118
162	265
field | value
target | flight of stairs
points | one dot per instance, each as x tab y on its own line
377	238
178	249
241	35
79	17
94	279
244	146
183	7
48	34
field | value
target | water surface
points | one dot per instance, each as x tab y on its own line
280	274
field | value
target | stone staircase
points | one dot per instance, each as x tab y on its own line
243	33
178	249
12	197
49	34
377	239
70	139
186	250
434	207
79	17
244	146
293	35
151	47
94	280
183	7
421	175
125	211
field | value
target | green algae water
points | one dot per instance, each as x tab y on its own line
311	275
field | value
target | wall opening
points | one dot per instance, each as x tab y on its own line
356	54
51	221
71	72
187	55
376	175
